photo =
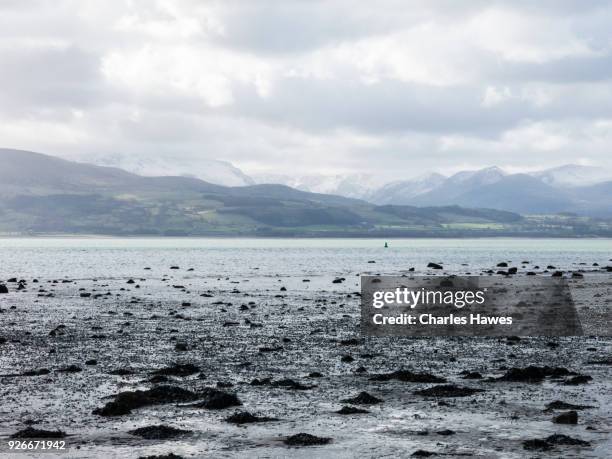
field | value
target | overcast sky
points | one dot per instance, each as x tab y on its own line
393	88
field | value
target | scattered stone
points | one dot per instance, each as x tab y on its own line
533	374
125	402
408	376
433	265
552	441
3	288
162	456
471	375
446	432
304	439
180	347
214	399
449	390
244	417
351	410
70	369
559	405
569	417
363	398
159	432
423	453
290	384
31	432
576	380
177	369
40	372
121	372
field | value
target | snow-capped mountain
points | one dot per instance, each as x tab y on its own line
572	175
563	189
358	186
406	189
209	170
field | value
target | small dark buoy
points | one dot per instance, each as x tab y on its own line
386	245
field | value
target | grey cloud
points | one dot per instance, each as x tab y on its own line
52	54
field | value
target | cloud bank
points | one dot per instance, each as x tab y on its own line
391	88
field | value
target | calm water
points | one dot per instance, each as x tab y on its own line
117	257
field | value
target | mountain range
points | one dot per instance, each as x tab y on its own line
42	194
584	190
579	189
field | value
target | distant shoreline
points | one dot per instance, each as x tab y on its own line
306	237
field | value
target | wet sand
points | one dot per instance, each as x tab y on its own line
291	351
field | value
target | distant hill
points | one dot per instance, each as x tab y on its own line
564	189
41	194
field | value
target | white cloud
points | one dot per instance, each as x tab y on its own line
315	86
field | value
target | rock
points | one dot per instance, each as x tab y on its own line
85	294
40	372
512	270
449	390
433	265
70	369
347	359
423	453
177	369
181	347
408	376
569	417
304	439
214	399
91	362
30	432
446	432
131	281
576	380
244	417
533	374
559	405
315	374
125	402
552	441
351	410
503	264
537	444
338	280
557	274
363	398
290	384
159	432
121	372
3	288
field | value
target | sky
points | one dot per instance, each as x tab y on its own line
392	88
